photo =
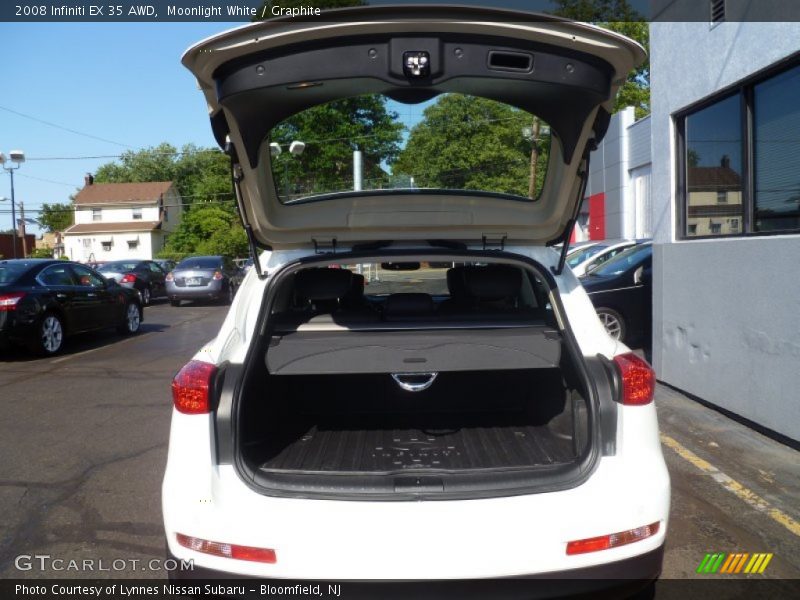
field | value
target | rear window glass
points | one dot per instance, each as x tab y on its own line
582	254
118	266
367	143
10	272
623	261
202	262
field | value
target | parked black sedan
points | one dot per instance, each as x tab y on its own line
621	291
43	301
145	276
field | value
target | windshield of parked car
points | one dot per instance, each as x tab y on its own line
10	272
583	254
199	262
623	261
119	265
368	143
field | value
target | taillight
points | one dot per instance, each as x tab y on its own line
604	542
129	278
170	276
8	302
191	387
638	379
217	275
263	555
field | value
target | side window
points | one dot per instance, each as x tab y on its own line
155	268
56	275
87	278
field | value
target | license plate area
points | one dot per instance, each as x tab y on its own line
194	281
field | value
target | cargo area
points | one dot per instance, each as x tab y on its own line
451	380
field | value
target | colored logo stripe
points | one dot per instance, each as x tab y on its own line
720	562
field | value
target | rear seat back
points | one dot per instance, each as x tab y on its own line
408	307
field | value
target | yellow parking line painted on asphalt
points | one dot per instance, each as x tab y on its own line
733	486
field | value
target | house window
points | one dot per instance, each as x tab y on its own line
87	243
133	244
106	245
97	214
137	214
738	160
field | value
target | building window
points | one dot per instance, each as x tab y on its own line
87	243
97	214
133	244
106	246
776	146
738	160
137	214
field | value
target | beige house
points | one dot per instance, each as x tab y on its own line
115	221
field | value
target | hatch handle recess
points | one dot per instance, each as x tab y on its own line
414	382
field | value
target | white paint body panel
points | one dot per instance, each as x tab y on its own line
327	539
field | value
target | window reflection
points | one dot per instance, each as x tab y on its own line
714	169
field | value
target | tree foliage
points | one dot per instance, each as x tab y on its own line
466	142
55	217
207	229
200	174
618	16
331	132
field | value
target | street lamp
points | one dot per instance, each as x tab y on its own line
17	157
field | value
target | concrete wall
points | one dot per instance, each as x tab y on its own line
726	313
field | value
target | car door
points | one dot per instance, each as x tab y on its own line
95	306
59	285
157	278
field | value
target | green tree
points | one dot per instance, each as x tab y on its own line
207	229
466	142
55	217
331	132
200	174
618	16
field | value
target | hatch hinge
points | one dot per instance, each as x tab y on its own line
324	246
494	242
237	174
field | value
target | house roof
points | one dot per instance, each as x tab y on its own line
122	193
714	178
113	227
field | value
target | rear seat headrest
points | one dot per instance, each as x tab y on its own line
494	282
322	284
408	304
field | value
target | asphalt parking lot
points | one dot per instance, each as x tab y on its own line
84	440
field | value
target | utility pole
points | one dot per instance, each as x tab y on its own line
22	229
534	158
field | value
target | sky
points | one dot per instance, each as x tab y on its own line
122	82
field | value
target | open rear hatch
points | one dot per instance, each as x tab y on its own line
260	75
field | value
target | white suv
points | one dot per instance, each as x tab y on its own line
409	384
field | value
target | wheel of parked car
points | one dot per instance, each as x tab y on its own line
613	322
146	295
132	320
175	302
50	335
231	293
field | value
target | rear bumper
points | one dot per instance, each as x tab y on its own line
216	289
616	579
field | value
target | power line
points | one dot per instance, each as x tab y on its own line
74	131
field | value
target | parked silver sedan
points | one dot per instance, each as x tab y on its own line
203	278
